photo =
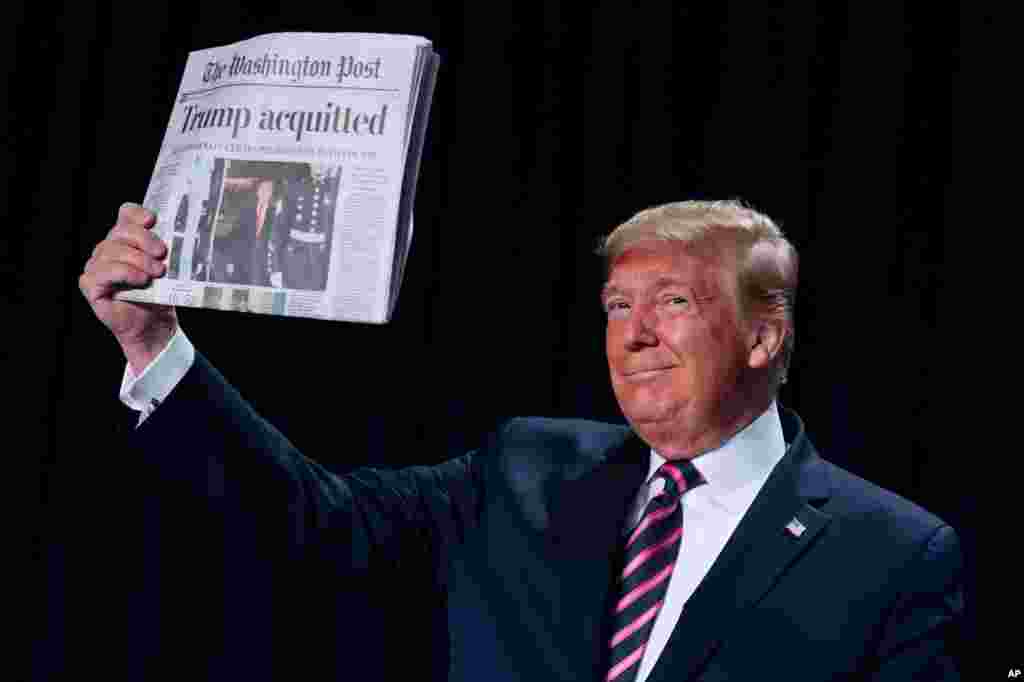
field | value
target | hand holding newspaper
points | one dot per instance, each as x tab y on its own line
286	178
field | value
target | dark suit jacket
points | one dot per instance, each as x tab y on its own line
501	562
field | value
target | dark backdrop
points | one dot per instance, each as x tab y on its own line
550	125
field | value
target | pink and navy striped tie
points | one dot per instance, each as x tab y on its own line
651	551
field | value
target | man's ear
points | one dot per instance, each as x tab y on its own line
766	337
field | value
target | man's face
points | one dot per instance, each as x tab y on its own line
676	348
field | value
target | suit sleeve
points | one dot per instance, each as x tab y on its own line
250	561
207	442
921	639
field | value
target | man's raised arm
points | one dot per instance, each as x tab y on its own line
206	451
240	451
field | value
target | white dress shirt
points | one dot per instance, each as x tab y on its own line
145	391
735	473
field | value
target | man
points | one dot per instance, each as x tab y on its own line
708	541
240	247
203	255
302	242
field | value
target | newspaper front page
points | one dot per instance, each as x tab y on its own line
286	178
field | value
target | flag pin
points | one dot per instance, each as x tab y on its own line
795	528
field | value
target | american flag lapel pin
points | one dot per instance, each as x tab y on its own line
795	528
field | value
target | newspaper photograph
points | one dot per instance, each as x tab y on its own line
286	178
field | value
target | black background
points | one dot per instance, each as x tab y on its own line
550	125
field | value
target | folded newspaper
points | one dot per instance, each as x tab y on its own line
285	182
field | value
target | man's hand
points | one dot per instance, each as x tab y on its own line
129	258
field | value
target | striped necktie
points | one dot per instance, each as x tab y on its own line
651	551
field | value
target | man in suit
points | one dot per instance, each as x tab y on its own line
302	240
707	540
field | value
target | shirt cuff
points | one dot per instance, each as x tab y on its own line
145	391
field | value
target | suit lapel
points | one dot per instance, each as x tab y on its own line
758	553
585	535
589	511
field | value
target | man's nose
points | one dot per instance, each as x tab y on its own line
640	331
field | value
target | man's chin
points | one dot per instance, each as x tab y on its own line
668	435
661	419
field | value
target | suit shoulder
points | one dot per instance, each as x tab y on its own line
856	499
583	436
544	446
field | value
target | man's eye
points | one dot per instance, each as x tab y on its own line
615	306
676	300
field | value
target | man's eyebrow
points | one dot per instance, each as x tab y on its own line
659	283
609	289
667	280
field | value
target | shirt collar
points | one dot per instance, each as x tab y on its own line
736	470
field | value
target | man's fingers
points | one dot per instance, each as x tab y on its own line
97	284
133	226
116	265
139	237
114	276
129	258
130	212
119	252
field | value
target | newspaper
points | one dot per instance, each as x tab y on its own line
286	179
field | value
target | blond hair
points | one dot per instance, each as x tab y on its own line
766	262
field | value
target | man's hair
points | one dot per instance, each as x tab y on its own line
766	262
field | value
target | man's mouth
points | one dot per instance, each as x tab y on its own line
646	373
